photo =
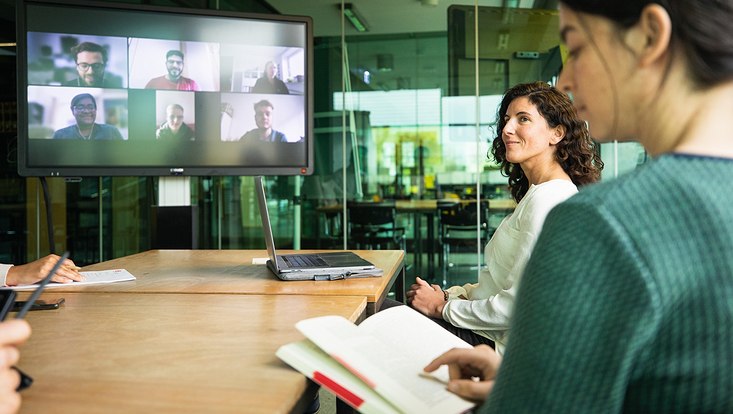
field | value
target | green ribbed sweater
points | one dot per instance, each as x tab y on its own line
626	304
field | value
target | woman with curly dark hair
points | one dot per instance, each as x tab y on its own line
546	151
626	303
575	153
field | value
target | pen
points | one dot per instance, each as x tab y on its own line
36	293
25	379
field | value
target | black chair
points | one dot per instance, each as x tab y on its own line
373	226
459	231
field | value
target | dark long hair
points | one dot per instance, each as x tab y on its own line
576	152
701	31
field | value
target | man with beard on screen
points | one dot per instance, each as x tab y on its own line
173	79
91	67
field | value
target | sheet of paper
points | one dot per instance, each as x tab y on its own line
90	278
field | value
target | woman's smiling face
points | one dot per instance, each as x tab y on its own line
528	138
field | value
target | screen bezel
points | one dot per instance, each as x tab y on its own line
25	168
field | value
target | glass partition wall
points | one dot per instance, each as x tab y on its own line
402	118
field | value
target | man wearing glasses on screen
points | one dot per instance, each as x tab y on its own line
174	129
91	64
174	79
84	109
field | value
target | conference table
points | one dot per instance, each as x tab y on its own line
196	331
170	353
233	272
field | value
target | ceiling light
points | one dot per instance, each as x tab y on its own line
355	18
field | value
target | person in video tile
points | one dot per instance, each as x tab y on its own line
91	63
173	79
174	129
264	131
269	83
84	108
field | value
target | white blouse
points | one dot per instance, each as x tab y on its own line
486	307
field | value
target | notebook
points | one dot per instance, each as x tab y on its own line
309	266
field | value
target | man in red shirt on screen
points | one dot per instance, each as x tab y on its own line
173	79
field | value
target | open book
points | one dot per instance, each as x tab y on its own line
377	367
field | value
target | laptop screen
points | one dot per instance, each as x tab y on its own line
265	216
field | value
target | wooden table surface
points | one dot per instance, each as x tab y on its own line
232	271
170	353
427	205
432	204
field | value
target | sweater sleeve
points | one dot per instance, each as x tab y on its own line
585	312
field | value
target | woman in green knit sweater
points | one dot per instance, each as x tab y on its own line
626	304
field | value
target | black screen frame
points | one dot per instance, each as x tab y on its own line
297	165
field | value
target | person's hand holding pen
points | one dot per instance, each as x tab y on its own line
426	298
33	272
12	334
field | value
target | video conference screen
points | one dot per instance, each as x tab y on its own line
124	90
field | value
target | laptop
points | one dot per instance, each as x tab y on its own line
309	266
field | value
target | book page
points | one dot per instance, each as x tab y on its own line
90	278
388	352
310	360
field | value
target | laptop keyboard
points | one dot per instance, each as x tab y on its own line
304	261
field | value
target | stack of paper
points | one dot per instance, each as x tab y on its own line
90	278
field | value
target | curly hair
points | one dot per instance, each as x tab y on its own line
576	152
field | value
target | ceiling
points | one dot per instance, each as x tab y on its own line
382	16
411	33
387	16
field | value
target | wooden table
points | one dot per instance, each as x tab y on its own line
170	353
495	204
232	271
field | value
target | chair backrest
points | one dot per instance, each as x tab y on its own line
382	214
374	225
462	213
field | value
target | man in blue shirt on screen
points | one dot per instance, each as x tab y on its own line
84	109
264	131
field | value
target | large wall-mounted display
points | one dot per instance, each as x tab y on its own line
115	89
